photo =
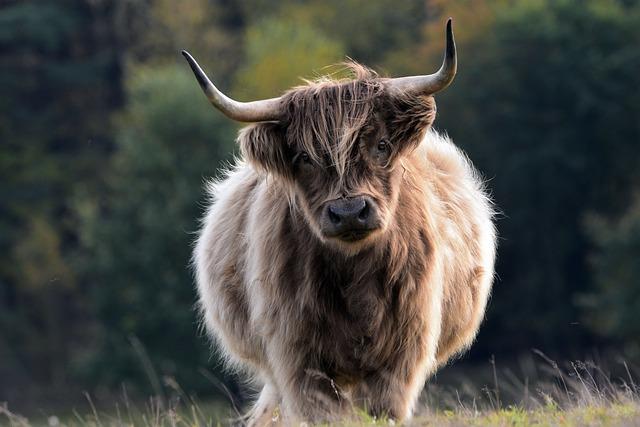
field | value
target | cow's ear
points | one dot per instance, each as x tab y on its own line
410	117
263	145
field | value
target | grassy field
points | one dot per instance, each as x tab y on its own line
613	414
626	414
533	392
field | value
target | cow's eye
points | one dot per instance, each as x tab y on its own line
302	158
383	146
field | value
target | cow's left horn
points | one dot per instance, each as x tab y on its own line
254	111
432	83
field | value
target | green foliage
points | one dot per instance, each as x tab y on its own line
614	304
59	83
546	105
138	238
48	26
205	28
368	32
279	53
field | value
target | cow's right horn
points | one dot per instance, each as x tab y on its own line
254	111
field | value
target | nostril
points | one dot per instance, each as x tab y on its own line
333	217
364	213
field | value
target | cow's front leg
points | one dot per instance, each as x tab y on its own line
263	413
308	393
314	396
393	392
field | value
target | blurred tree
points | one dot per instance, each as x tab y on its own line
546	104
423	52
210	29
279	52
367	31
612	308
60	78
138	238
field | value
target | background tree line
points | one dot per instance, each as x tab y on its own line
105	141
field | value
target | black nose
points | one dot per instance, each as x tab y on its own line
349	218
348	211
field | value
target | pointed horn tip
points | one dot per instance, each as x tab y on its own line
200	75
451	43
192	62
187	56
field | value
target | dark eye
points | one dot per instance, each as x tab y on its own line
304	157
383	146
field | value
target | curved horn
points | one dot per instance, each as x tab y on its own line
255	111
432	83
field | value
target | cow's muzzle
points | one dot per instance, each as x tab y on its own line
350	219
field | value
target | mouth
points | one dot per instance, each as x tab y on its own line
353	235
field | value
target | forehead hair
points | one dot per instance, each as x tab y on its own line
324	118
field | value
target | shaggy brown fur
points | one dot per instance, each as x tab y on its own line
324	324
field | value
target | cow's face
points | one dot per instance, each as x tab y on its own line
340	151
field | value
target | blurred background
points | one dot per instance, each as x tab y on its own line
106	140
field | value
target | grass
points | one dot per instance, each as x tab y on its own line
613	414
539	392
150	414
610	414
616	414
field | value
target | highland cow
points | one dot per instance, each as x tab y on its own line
349	253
